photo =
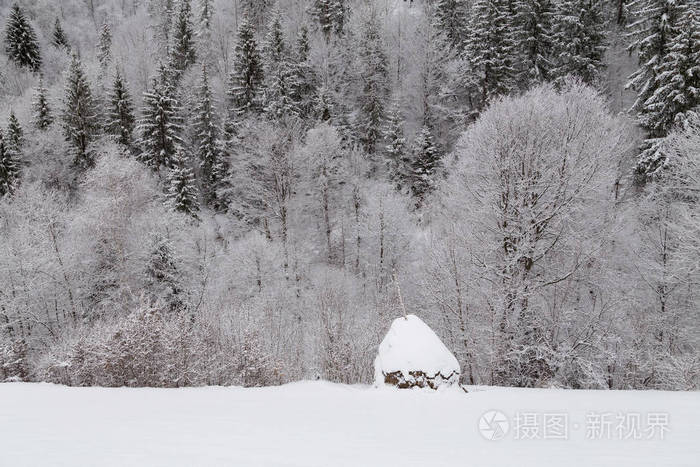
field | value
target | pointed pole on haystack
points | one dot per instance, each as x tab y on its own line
398	292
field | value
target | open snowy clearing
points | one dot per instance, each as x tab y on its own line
323	424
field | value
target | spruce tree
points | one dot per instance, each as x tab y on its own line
9	167
246	80
491	50
182	49
182	191
395	144
59	38
451	18
207	137
534	36
579	40
374	78
655	25
162	273
15	134
120	116
280	82
424	165
21	44
305	80
678	80
676	100
43	117
206	14
160	125
330	15
79	117
104	46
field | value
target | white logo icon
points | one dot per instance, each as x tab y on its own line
493	425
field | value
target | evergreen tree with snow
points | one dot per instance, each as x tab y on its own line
535	37
182	49
676	99
491	50
79	117
160	125
424	165
579	40
280	76
654	28
120	116
21	44
43	116
207	137
15	134
9	167
451	18
305	80
206	13
374	78
678	80
246	80
396	157
59	38
654	25
162	272
182	190
104	46
330	15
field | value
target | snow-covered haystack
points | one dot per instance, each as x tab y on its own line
412	355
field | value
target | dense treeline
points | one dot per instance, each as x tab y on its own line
233	192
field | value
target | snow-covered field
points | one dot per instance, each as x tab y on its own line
323	424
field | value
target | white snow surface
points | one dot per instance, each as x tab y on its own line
411	345
320	424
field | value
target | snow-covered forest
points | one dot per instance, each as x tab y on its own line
248	192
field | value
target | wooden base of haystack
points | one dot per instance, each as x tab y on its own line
419	379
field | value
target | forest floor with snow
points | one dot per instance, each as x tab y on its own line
324	424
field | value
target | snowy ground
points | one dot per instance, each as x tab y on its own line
322	424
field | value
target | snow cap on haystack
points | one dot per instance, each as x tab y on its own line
412	355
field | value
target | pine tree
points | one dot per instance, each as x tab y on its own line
207	137
42	112
160	125
206	14
305	80
491	50
451	18
104	46
676	100
653	27
80	120
9	167
246	80
424	166
182	50
15	134
535	36
374	78
120	116
280	75
59	36
21	44
182	191
579	40
396	144
330	15
678	80
162	273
